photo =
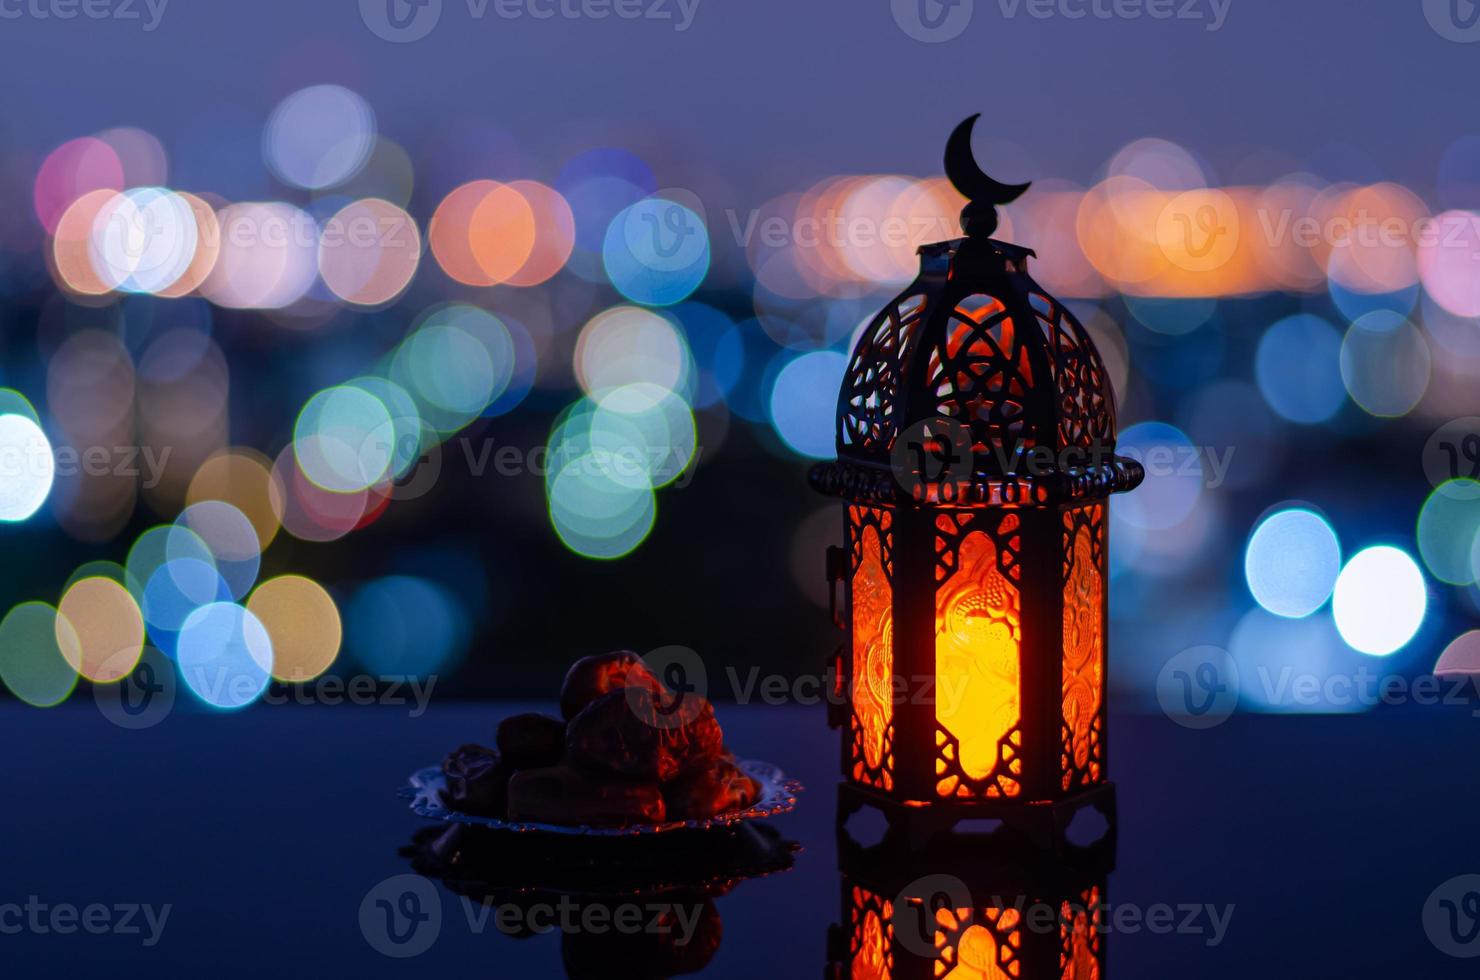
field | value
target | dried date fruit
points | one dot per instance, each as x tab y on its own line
574	797
591	677
639	734
710	792
531	741
477	781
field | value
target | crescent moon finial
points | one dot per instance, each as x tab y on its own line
985	193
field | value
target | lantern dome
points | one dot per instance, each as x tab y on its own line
974	385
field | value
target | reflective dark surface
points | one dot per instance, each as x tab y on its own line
267	832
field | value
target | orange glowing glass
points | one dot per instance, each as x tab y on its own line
872	692
977	668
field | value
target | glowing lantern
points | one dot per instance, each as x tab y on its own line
975	436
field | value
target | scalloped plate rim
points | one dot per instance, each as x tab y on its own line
778	796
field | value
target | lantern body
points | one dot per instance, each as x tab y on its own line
976	431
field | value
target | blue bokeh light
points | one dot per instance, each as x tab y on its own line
1291	562
804	401
402	625
1298	368
225	655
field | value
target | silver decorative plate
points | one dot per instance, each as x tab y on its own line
778	795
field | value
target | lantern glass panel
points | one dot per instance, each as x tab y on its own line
871	936
872	695
978	944
1081	926
1083	647
978	640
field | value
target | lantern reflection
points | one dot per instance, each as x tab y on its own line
945	917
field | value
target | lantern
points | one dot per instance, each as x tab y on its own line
975	440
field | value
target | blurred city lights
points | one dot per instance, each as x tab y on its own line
128	356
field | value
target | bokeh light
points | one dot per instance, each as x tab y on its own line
100	629
225	655
143	240
1379	601
344	439
368	252
402	625
627	345
1291	562
303	623
27	467
230	538
319	136
1385	364
1298	368
1461	658
72	170
455	364
1448	531
656	252
241	478
596	510
1174	476
31	661
268	259
804	400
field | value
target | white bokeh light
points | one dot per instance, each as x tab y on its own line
27	467
1380	600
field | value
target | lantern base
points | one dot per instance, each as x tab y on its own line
986	824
